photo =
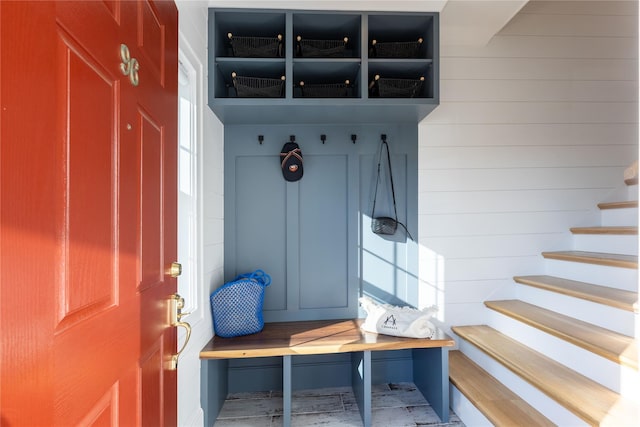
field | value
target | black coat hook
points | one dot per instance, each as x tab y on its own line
353	138
292	138
260	139
384	137
323	138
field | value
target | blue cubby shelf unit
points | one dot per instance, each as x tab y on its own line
358	62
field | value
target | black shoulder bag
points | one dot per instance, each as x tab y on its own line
385	224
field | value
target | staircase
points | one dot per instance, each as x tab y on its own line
565	352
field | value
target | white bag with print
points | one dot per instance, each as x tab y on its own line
397	321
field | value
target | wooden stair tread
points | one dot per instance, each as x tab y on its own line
612	230
616	347
618	298
619	205
587	399
611	260
500	405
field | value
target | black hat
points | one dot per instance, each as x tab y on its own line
291	161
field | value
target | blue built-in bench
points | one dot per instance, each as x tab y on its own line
287	339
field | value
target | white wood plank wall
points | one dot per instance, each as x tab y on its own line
193	38
533	130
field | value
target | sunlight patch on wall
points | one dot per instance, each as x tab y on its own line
389	267
431	285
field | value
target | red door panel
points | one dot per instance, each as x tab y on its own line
88	183
151	229
152	39
89	178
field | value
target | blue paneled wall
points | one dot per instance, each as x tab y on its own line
314	238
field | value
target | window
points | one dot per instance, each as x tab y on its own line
188	183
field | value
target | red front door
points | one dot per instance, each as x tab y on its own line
88	212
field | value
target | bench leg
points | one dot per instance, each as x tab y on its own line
431	376
361	383
286	391
214	386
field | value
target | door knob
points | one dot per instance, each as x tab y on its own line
175	270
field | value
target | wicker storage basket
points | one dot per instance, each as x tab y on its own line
326	90
258	87
321	48
395	88
395	49
256	47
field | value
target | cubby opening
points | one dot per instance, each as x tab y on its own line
336	80
399	29
248	24
316	28
268	73
389	81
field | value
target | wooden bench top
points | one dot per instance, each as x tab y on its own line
313	337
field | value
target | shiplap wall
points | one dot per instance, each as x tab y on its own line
193	42
533	131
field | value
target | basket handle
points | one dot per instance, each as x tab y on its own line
374	81
259	276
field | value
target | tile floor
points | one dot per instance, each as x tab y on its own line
394	405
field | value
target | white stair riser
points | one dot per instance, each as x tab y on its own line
599	369
630	384
465	410
608	317
615	277
534	397
619	217
625	244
